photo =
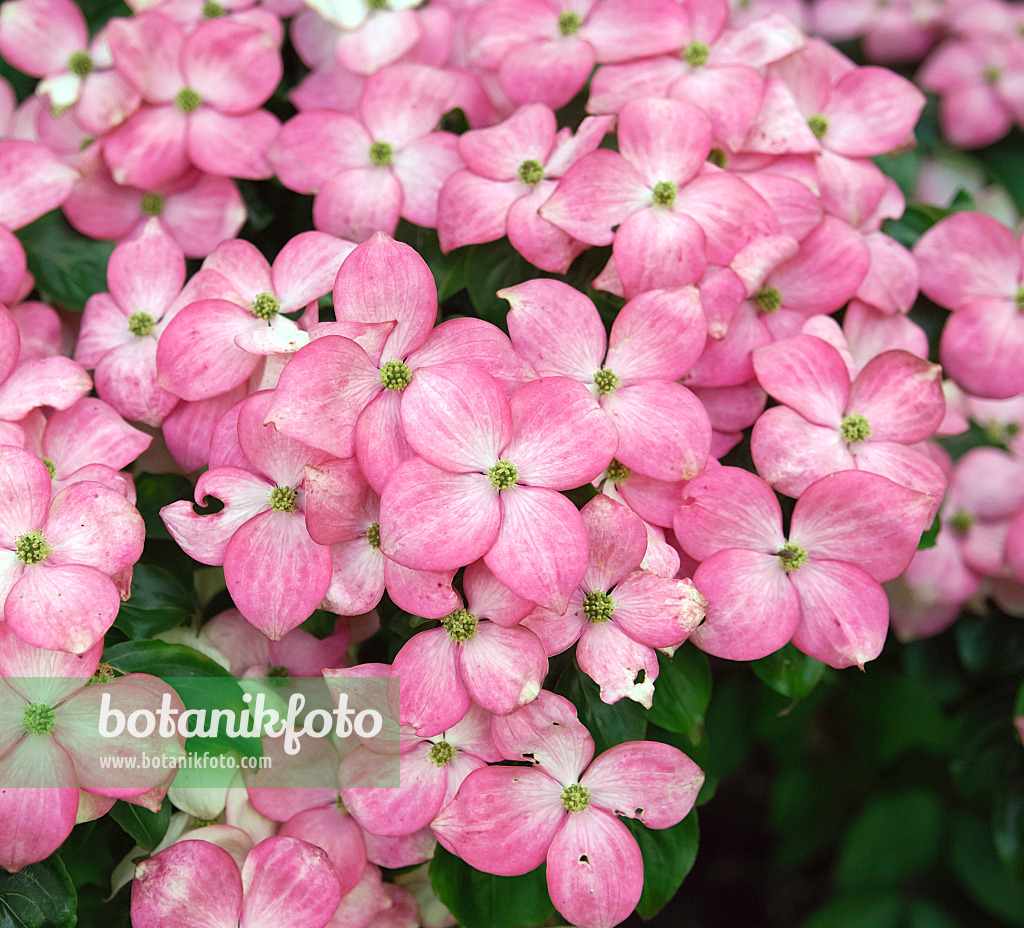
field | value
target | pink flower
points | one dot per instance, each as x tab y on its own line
821	587
57	555
510	820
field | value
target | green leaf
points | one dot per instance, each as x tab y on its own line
859	910
682	692
930	535
976	865
917	219
38	896
608	724
1008	825
488	269
902	168
481	900
159	601
1006	165
147	828
154	491
895	837
789	672
669	854
68	267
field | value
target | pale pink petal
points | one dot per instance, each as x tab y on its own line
149	148
288	881
622	668
380	442
338	834
434	520
312	147
35	181
433	695
306	268
232	146
357	578
24	493
489	598
91	432
901	397
752	607
556	328
657	335
55	381
503	820
546	72
653	782
595	871
541	547
497	152
863	519
657	611
146	274
473	209
92	525
502	668
548	418
548	733
356	203
232	67
616	541
405	102
422	169
844	613
978	348
903	465
657	248
339	504
427	593
806	374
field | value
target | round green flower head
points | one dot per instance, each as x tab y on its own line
1019	297
598	606
664	193
606	381
791	556
696	54
31	548
266	306
718	157
395	374
212	10
818	125
140	324
961	522
854	428
282	499
618	472
460	625
503	475
768	299
39	719
441	753
187	100
153	204
569	23
575	797
80	64
373	535
531	172
50	466
381	154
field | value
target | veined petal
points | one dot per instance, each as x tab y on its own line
433	695
657	611
288	881
623	668
92	525
616	540
502	668
658	335
24	493
806	374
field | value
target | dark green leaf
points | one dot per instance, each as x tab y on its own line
99	12
682	692
68	267
902	168
921	914
1005	163
859	910
488	269
917	219
154	491
38	896
990	645
789	672
1008	824
159	601
976	865
481	900
147	828
669	854
930	535
895	837
608	724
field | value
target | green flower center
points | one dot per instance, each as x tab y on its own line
51	467
992	74
277	675
282	499
854	428
187	100
696	54
618	472
961	522
441	753
503	474
266	306
153	204
212	10
395	374
377	4
598	606
31	548
373	535
718	157
381	154
1019	297
460	625
768	299
80	63
531	172
792	556
140	324
39	719
575	797
664	193
606	381
104	674
569	23
818	124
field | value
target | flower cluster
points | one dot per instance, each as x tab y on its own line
565	473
